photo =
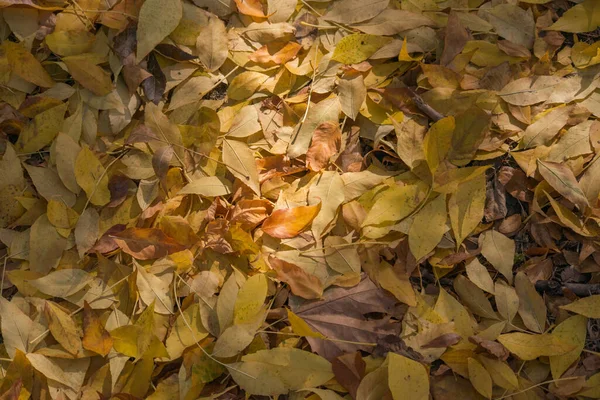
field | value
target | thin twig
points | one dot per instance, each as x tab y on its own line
535	386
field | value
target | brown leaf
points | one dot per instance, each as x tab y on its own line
349	370
455	39
326	142
443	341
289	222
95	337
561	178
340	314
301	283
252	8
275	53
146	243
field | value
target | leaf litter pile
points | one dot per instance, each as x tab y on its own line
294	199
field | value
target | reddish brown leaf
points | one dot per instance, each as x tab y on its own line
326	142
443	341
275	53
252	8
349	369
301	283
146	243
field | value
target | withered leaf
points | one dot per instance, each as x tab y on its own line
146	243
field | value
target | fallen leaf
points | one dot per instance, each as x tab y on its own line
499	251
358	47
146	243
562	179
157	19
279	370
95	337
290	222
407	377
530	347
63	328
92	177
587	306
212	44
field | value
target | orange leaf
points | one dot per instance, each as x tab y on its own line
301	283
276	52
146	243
326	141
252	8
95	337
289	222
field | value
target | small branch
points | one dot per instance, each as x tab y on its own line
425	108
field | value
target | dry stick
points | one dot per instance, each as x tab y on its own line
194	335
325	338
342	245
81	308
535	386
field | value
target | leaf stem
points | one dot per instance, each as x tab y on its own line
535	386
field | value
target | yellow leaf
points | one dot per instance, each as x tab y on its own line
92	177
437	142
530	347
407	379
499	251
186	332
583	17
63	328
300	327
480	378
428	227
587	306
395	204
70	43
250	299
572	331
479	275
25	65
60	215
404	56
396	284
157	19
358	47
42	130
500	372
465	207
279	370
85	71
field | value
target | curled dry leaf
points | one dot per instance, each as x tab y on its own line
326	142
